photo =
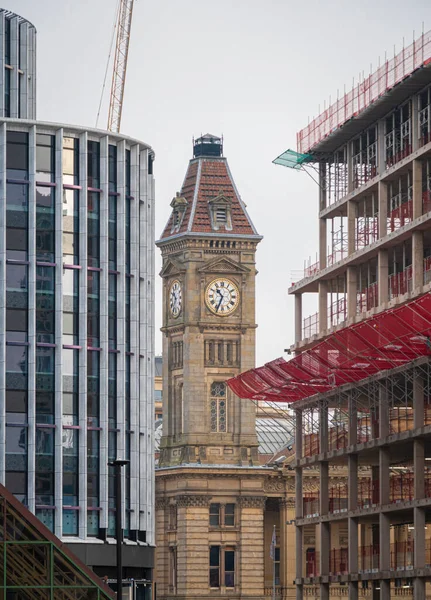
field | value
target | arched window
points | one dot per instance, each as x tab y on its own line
218	408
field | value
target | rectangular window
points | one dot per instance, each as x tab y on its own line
93	303
93	388
45	224
7	73
45	304
112	233
112	311
215	515
93	164
229	515
16	483
45	154
93	230
71	227
215	566
70	161
17	155
112	168
45	407
93	468
7	43
229	568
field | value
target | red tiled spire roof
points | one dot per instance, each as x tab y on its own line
208	178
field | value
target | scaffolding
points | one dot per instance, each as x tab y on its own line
365	92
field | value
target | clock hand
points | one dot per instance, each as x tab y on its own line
221	300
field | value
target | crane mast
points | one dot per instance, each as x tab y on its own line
124	24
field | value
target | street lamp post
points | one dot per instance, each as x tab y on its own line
117	464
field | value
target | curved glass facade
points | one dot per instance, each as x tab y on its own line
76	279
18	74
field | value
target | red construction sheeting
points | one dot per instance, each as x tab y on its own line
387	340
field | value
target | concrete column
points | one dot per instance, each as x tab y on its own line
381	149
385	589
351	291
418	260
323	429
323	306
417	188
353	421
352	481
298	437
298	318
299	591
352	525
324	489
419	468
419	537
352	209
322	186
419	588
353	590
325	547
382	276
384	542
382	196
323	243
299	551
418	401
384	475
324	591
383	411
349	168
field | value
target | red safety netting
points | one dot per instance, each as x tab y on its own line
367	91
387	340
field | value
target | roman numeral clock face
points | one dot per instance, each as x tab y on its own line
222	297
175	299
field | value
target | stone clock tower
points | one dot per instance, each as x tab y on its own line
210	489
208	248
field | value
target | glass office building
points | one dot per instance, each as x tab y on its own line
17	66
77	331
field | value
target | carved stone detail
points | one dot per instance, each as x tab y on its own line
287	502
252	501
273	484
161	503
195	500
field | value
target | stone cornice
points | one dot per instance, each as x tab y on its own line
252	501
196	500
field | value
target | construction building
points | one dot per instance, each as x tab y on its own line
77	324
359	383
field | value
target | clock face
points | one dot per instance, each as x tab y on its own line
175	298
222	296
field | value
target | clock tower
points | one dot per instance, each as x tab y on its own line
208	248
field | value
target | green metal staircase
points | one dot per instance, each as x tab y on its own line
35	565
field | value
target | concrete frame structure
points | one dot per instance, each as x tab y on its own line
360	392
375	186
17	67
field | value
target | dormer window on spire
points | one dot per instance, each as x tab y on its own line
179	206
220	212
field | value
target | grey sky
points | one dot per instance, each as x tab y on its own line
252	70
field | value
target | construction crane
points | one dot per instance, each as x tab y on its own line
124	24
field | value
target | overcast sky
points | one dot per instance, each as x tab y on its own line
252	70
